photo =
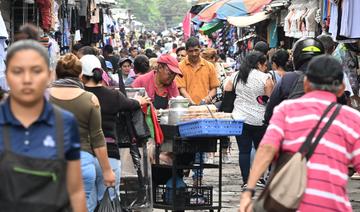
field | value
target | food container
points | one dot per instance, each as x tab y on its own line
177	107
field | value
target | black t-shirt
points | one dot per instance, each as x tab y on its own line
111	103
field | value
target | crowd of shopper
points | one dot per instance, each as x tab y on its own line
66	128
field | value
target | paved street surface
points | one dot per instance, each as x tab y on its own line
232	182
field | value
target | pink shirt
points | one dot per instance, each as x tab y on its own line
340	146
147	81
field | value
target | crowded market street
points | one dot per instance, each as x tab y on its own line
179	105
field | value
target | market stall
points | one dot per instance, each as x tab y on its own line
189	131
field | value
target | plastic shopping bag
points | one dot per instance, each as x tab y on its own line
108	205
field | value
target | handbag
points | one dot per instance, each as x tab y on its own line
108	205
291	172
141	129
227	104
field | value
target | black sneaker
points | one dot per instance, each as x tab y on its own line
243	187
261	183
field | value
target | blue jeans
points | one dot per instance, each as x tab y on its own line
199	158
100	188
89	177
251	135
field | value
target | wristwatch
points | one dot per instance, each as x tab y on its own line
251	190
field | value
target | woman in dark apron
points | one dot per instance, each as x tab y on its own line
39	163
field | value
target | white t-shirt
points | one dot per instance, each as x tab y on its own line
245	105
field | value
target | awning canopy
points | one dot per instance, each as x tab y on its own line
244	21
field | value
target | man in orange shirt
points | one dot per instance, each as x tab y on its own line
199	81
198	84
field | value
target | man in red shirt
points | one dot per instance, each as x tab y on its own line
159	84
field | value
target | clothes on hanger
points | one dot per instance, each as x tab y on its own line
45	10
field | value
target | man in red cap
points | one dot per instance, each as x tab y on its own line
159	84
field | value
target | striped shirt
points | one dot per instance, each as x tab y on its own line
340	146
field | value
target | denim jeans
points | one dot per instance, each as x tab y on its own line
251	135
89	177
200	157
99	188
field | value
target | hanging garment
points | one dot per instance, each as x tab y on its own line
94	13
54	53
55	17
310	23
45	11
83	7
3	31
349	21
3	83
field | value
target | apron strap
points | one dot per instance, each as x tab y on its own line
6	137
59	123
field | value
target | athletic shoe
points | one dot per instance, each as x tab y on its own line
261	183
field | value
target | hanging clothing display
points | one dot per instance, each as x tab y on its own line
3	32
94	13
108	24
55	25
300	21
45	11
3	37
343	25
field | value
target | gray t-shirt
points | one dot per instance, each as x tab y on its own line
245	105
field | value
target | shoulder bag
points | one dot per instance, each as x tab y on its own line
287	184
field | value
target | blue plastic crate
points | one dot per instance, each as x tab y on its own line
210	127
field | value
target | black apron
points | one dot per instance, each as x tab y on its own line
161	102
33	184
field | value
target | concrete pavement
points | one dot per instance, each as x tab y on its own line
232	181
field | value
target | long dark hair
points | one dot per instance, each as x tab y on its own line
249	63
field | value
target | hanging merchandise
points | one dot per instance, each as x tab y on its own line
272	35
3	37
55	23
77	36
300	20
94	12
54	53
45	11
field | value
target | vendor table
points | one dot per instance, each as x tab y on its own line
183	201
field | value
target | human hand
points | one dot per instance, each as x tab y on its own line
109	178
246	204
208	99
143	100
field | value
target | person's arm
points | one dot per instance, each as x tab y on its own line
263	158
75	186
274	100
97	141
210	96
214	82
127	104
108	174
185	94
269	146
269	86
355	161
74	182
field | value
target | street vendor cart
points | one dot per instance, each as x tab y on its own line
170	193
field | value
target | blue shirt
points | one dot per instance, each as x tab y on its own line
38	140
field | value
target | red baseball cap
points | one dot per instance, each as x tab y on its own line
171	62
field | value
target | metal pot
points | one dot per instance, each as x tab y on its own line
179	103
178	107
